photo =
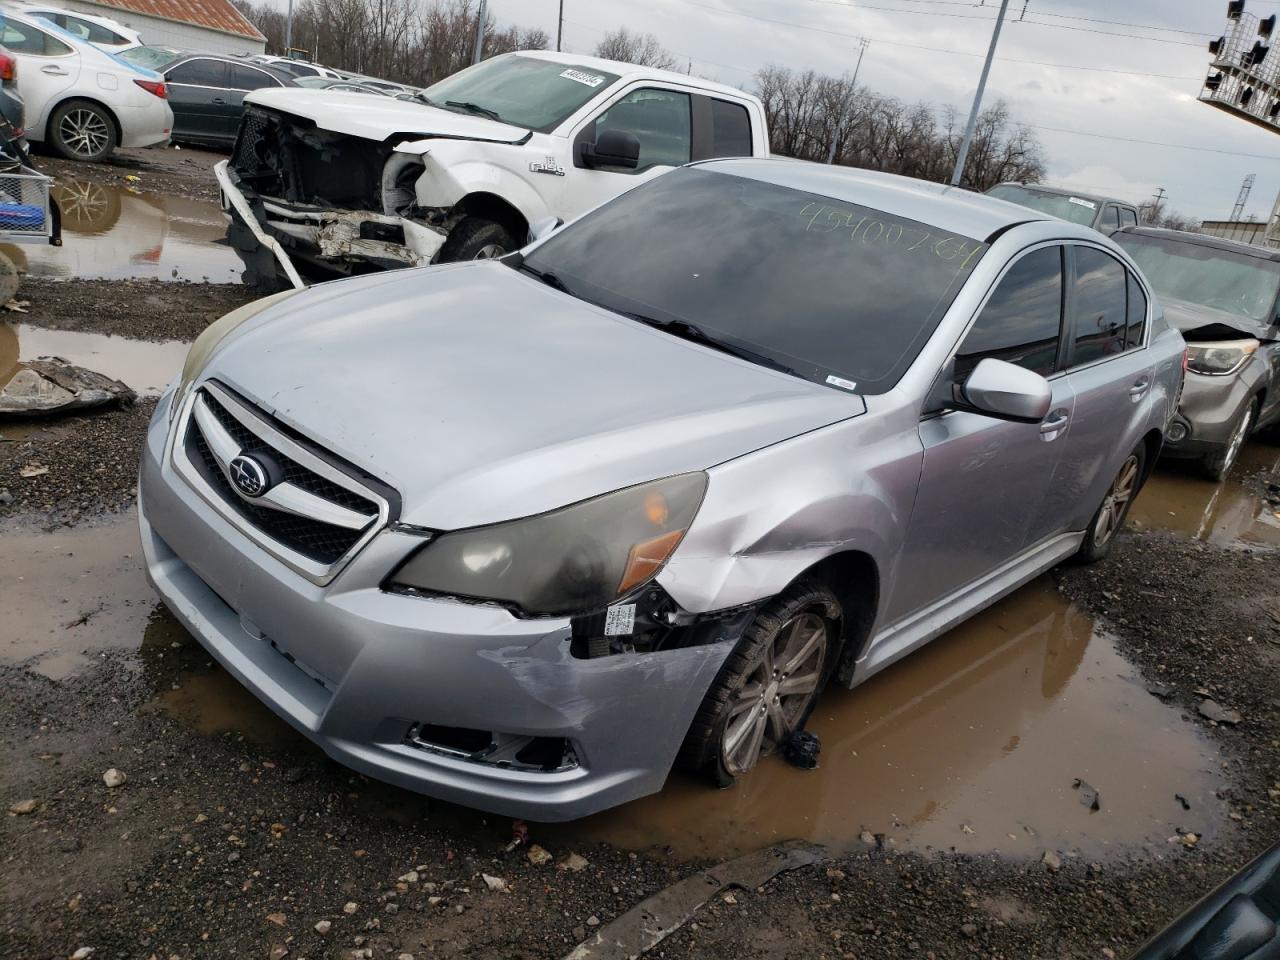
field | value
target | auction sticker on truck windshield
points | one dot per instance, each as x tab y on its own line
590	79
1084	203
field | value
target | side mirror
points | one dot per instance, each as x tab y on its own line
613	148
1007	392
544	228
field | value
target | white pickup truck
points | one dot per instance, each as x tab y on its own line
323	184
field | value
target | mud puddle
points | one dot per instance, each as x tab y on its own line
115	233
1177	498
972	744
145	366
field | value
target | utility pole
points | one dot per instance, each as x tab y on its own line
480	18
560	26
863	43
1238	210
977	98
288	30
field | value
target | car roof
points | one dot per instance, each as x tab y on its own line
953	209
629	71
1204	240
1063	192
185	55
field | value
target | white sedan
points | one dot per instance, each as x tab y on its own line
82	102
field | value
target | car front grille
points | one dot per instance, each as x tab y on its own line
312	514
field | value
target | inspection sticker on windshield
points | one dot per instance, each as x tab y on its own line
620	620
1084	203
590	79
842	383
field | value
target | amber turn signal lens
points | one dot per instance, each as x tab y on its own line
655	509
646	559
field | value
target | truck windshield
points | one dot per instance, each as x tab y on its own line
1208	276
1080	210
828	290
523	91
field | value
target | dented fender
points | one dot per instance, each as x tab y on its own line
451	172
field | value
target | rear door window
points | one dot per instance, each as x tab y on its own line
1098	304
1137	314
21	38
247	78
200	73
1022	322
730	129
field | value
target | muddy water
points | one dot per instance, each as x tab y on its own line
144	366
971	744
117	233
1177	498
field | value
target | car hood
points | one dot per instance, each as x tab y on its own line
483	395
376	118
1186	316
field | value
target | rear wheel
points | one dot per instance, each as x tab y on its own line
768	686
80	130
1218	465
475	238
1114	509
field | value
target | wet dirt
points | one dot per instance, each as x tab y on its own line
1232	513
145	366
971	744
112	232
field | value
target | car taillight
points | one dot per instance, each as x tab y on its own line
156	87
8	67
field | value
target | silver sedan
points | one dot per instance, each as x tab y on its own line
524	534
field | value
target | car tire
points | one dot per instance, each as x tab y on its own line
474	238
724	742
1216	466
82	130
1111	513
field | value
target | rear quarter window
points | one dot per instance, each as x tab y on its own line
730	129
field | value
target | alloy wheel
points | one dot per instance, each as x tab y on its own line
84	132
1237	440
776	694
1112	512
490	251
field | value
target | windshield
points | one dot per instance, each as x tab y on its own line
153	58
523	91
1076	209
821	287
1208	276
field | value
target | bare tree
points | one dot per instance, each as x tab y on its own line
1159	214
634	47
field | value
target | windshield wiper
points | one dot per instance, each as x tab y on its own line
688	331
545	276
423	98
470	107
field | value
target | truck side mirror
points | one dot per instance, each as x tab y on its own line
613	148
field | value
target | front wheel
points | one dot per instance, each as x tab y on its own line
768	686
80	130
1218	465
474	238
1114	509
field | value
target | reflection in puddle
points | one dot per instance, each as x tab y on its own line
114	233
144	366
1177	498
971	743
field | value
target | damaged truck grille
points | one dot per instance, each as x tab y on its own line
297	504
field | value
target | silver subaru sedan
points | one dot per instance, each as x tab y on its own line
525	534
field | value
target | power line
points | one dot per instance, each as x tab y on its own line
1151	143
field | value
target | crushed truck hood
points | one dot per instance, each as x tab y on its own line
483	395
377	118
1186	317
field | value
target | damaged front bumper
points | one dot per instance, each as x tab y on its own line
268	233
459	701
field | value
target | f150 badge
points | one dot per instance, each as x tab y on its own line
547	165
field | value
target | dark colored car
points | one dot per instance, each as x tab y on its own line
11	106
1104	214
1225	298
207	92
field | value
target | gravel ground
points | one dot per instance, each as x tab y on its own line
178	171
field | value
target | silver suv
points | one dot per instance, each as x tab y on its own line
521	534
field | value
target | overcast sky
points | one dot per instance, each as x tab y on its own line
729	39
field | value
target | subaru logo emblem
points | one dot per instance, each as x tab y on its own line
249	476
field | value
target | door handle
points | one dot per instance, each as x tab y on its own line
55	70
1139	389
218	100
1054	424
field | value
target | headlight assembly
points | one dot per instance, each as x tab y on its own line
212	336
1221	358
578	559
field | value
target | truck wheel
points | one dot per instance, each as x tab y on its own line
475	238
80	130
1106	523
769	684
1218	465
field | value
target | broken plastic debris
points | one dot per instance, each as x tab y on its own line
50	384
802	749
1088	795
